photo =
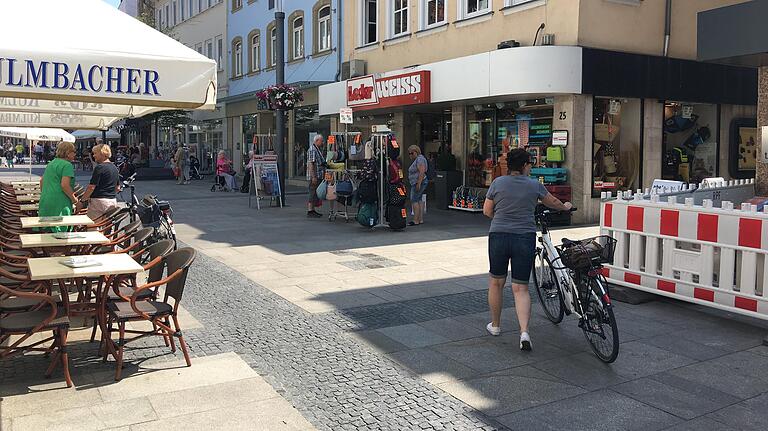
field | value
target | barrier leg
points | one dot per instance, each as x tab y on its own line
636	252
652	255
620	254
707	265
667	258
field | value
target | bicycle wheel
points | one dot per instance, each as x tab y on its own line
545	281
600	329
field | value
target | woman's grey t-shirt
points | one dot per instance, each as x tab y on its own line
514	203
413	170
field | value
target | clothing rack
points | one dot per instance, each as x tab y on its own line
333	210
379	140
264	143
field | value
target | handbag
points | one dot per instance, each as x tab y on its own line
606	131
330	194
344	188
322	190
368	150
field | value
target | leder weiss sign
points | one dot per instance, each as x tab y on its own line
370	92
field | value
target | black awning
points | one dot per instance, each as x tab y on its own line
621	74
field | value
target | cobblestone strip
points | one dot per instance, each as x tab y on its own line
336	383
405	312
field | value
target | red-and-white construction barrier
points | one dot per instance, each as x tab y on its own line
711	256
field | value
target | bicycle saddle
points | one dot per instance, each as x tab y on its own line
568	242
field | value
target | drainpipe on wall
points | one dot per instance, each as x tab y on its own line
339	41
667	26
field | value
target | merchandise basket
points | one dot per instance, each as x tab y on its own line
587	253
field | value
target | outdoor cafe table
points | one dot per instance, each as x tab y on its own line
28	198
76	220
51	269
44	240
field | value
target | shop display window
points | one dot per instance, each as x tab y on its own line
742	148
496	129
616	147
690	143
307	123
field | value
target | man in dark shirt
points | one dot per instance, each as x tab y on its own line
101	193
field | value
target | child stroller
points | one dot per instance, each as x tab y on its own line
194	169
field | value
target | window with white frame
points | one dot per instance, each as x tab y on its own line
399	21
273	47
255	52
209	48
298	38
183	11
199	48
471	8
199	6
236	4
324	29
220	52
191	10
237	53
370	21
159	19
167	16
509	3
175	14
433	13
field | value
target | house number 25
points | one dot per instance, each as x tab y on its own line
563	116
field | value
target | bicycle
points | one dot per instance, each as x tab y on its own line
568	280
152	212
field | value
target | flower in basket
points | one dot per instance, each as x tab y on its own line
281	96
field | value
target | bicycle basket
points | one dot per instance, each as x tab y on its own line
587	253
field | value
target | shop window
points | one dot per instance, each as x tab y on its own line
742	148
690	142
307	123
433	12
323	27
370	21
399	20
616	148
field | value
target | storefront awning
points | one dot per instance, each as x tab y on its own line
84	64
37	134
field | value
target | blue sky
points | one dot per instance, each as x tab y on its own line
114	3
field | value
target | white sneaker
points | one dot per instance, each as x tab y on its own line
493	330
525	342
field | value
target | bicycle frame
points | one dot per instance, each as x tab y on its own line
561	273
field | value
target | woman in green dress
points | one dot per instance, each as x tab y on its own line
57	195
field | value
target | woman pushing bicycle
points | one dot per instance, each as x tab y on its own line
511	204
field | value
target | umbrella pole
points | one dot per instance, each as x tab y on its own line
29	144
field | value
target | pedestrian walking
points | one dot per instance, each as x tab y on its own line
511	202
315	173
9	153
38	152
19	153
182	163
417	177
101	192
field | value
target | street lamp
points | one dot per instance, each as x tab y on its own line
280	79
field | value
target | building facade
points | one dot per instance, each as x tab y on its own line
135	8
312	29
607	95
201	25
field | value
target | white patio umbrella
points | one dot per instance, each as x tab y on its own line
93	134
36	134
84	64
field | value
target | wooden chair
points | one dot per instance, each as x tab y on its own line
159	313
47	318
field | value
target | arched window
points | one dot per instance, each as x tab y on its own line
255	51
297	51
237	57
324	29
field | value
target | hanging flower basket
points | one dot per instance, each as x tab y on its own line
282	97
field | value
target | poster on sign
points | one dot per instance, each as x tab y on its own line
345	115
265	180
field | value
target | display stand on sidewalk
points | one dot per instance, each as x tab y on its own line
265	181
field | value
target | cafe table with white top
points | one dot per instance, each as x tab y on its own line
109	267
38	222
62	239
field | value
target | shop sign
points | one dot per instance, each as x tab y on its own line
560	138
345	115
686	111
374	92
